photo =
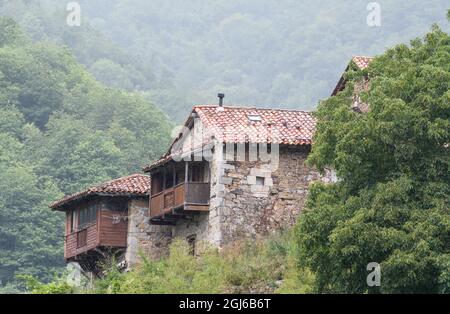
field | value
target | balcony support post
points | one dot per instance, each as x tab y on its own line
164	179
174	176
186	180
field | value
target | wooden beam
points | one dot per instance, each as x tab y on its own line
186	179
174	176
164	179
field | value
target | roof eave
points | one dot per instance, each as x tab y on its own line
59	206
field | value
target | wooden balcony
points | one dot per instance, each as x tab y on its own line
81	241
181	200
104	232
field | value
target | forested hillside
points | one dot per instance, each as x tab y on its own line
390	206
81	105
60	131
286	53
178	53
109	63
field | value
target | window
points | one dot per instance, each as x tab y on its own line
260	180
254	117
72	220
87	216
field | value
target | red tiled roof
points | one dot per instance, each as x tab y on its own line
135	184
231	124
361	61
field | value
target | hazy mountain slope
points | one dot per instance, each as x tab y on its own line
60	131
286	53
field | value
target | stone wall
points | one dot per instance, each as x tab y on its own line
261	197
152	240
196	225
248	199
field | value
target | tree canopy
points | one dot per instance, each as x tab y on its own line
60	131
392	203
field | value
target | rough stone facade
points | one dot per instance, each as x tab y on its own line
262	197
150	240
248	199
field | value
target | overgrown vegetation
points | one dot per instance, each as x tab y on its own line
392	205
260	266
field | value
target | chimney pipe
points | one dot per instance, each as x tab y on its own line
221	96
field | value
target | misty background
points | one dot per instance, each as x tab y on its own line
82	105
179	53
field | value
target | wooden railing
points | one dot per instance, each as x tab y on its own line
81	241
197	193
179	195
81	238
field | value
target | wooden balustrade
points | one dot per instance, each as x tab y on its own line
195	193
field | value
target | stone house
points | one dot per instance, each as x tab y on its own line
232	172
97	221
360	63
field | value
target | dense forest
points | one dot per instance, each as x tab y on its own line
61	130
177	53
391	204
80	105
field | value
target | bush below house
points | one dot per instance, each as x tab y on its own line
251	266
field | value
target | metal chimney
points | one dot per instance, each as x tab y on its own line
221	97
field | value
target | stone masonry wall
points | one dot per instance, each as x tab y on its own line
152	240
197	225
248	199
259	198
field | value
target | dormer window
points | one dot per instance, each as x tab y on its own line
254	117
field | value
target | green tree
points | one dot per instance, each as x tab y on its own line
60	131
392	204
30	234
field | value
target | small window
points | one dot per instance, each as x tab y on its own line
254	117
72	220
87	216
260	180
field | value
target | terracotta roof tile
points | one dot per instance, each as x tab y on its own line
135	184
232	124
361	61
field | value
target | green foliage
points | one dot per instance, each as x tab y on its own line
113	66
60	131
11	33
241	268
392	203
286	53
30	235
58	286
